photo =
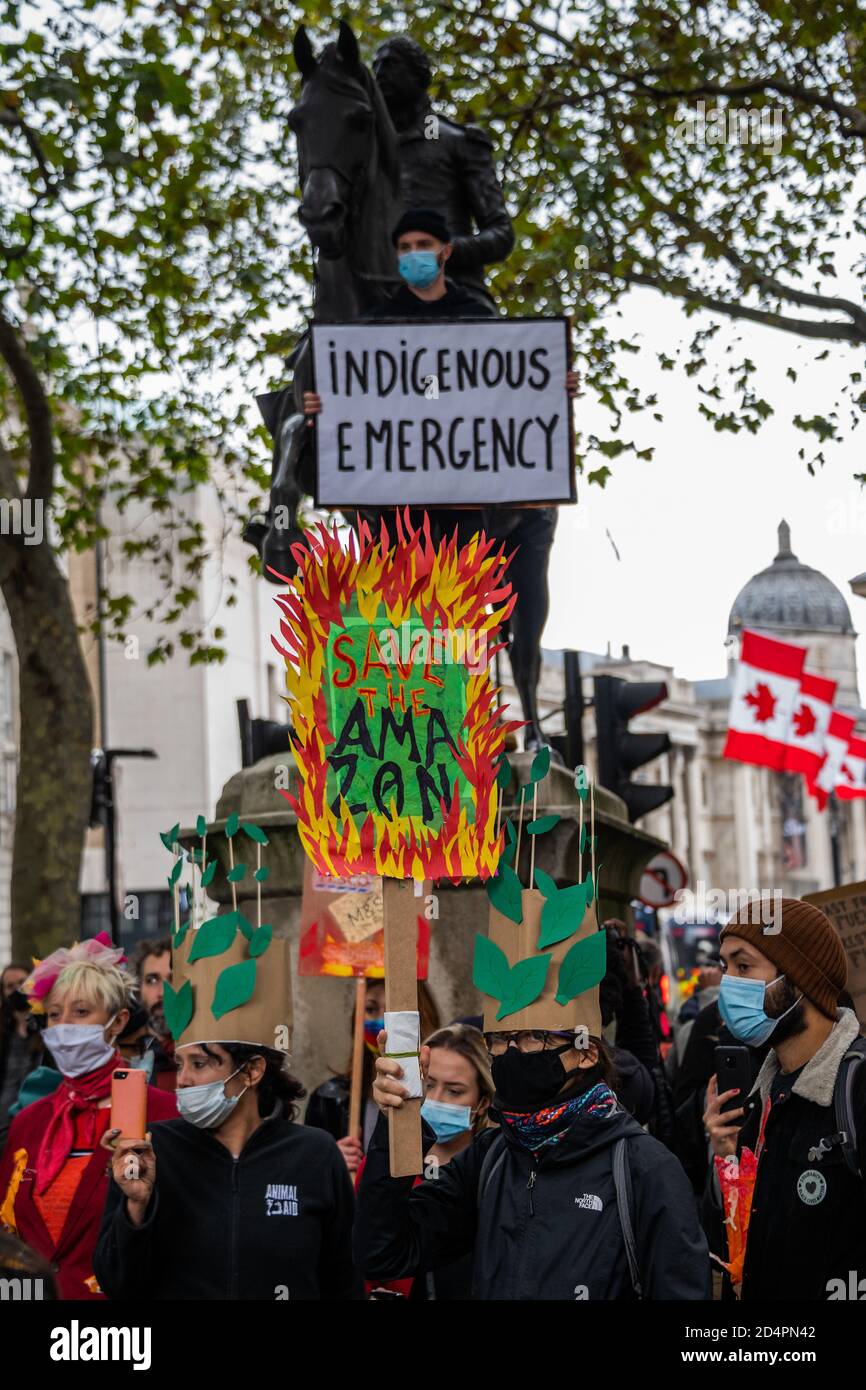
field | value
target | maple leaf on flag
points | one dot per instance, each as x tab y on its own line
845	771
804	721
763	702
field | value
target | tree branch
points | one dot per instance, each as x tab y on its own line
40	483
805	328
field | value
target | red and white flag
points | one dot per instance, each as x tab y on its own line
839	732
851	781
766	686
809	723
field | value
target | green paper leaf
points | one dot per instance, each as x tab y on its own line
177	1007
540	764
538	827
245	925
234	986
261	874
581	781
207	876
169	837
510	832
232	826
237	873
588	888
200	826
176	872
503	775
214	936
254	833
525	983
582	845
504	892
562	914
514	986
261	940
490	968
583	967
181	932
545	883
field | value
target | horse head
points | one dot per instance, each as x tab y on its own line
345	138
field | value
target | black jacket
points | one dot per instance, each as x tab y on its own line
808	1220
275	1223
456	303
544	1229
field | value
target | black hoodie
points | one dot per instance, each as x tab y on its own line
546	1226
274	1223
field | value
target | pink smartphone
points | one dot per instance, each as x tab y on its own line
129	1103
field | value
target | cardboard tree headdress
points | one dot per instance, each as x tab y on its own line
543	958
398	731
231	981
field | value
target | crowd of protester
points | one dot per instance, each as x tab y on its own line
555	1168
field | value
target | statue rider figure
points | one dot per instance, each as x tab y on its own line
445	166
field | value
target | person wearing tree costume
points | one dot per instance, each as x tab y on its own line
569	1198
234	1200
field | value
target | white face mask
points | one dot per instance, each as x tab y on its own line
79	1048
207	1105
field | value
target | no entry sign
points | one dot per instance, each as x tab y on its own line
432	413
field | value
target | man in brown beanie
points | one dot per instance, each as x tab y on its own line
807	1230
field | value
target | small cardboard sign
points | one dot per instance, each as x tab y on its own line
342	926
846	908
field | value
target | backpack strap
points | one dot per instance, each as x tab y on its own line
622	1184
492	1159
843	1102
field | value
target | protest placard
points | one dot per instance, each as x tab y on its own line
846	908
431	413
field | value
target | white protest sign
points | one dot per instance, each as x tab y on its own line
430	413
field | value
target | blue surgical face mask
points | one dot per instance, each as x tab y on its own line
143	1063
446	1121
419	268
741	1004
207	1106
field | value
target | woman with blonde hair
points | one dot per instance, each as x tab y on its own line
53	1178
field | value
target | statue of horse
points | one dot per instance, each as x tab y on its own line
348	158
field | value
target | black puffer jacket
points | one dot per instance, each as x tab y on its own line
543	1229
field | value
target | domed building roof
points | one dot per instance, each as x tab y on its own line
790	594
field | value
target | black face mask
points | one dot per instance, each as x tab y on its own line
529	1080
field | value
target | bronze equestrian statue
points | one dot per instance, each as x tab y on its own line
360	160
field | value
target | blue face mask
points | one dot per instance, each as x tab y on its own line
419	268
143	1063
446	1121
741	1004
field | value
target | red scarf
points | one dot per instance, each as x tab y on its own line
74	1095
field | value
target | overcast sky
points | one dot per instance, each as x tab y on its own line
695	523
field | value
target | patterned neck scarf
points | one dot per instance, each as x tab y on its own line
535	1129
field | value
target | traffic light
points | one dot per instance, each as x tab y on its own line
259	737
619	750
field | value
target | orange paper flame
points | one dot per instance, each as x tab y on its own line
459	588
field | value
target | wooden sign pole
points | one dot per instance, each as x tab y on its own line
401	992
355	1095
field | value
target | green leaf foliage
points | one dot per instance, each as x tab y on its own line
214	936
562	914
503	775
545	883
504	892
262	874
235	986
254	832
514	986
200	826
543	823
177	1006
169	837
236	874
583	966
232	826
207	876
540	764
261	940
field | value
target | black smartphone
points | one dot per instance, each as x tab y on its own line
733	1069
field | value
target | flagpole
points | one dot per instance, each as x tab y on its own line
835	849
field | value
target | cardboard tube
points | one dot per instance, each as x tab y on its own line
401	992
357	1059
